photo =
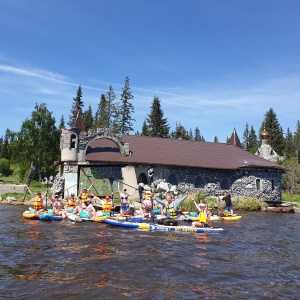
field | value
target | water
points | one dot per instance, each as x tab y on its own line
255	258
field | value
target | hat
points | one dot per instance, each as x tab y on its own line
72	194
107	197
39	193
202	205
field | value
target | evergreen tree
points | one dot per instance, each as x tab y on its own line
180	132
6	150
272	126
191	134
88	119
62	123
112	107
76	106
157	124
252	141
124	114
216	140
198	136
246	134
297	135
102	115
145	129
289	145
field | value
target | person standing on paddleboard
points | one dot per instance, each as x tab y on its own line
227	199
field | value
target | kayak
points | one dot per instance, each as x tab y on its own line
151	226
215	218
30	215
230	218
47	217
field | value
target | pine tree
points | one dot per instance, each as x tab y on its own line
191	134
252	141
124	115
245	142
297	135
145	129
272	126
88	119
112	107
180	132
216	139
76	106
102	114
289	145
62	123
157	124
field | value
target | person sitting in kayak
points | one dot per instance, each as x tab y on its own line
146	205
58	206
86	209
124	199
170	208
83	195
72	201
204	215
107	206
37	201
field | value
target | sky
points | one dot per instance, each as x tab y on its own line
214	64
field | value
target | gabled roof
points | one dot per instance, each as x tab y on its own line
234	140
171	152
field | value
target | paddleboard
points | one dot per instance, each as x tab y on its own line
30	215
46	217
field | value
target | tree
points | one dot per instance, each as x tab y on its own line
272	126
216	140
291	179
145	129
198	136
88	119
62	123
112	107
5	167
124	113
157	124
180	132
38	141
76	106
245	142
6	149
289	150
252	140
102	119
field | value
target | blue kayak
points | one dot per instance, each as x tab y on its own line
46	217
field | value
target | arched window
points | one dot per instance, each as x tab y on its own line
199	182
172	179
73	141
142	178
257	184
224	184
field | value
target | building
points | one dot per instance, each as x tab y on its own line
100	160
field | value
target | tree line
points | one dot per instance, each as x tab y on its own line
38	140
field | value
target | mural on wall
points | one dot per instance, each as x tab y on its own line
101	181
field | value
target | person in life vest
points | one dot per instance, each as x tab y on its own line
204	215
107	205
83	195
86	209
170	208
71	201
146	205
37	201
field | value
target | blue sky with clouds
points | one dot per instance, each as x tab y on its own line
214	64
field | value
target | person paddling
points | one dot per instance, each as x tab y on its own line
204	215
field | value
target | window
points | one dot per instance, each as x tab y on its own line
199	182
258	184
172	179
73	141
142	178
273	185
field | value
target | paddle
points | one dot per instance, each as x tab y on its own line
111	180
127	184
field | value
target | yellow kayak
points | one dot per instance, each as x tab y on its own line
30	215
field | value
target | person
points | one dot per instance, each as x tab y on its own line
204	215
170	208
228	203
58	206
107	206
86	209
37	201
83	195
146	206
141	190
124	199
71	204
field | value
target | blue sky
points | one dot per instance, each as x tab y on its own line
215	64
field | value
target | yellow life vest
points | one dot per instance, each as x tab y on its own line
72	202
84	196
171	213
202	217
38	203
106	206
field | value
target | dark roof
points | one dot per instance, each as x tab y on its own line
172	152
79	122
234	140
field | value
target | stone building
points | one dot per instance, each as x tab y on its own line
100	160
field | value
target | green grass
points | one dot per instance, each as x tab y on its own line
291	198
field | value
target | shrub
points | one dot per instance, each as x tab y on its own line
5	167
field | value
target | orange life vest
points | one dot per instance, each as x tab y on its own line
106	206
38	203
84	196
72	202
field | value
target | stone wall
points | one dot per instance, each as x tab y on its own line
12	188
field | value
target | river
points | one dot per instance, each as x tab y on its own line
257	257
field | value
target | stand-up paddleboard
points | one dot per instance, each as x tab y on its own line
151	226
29	214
